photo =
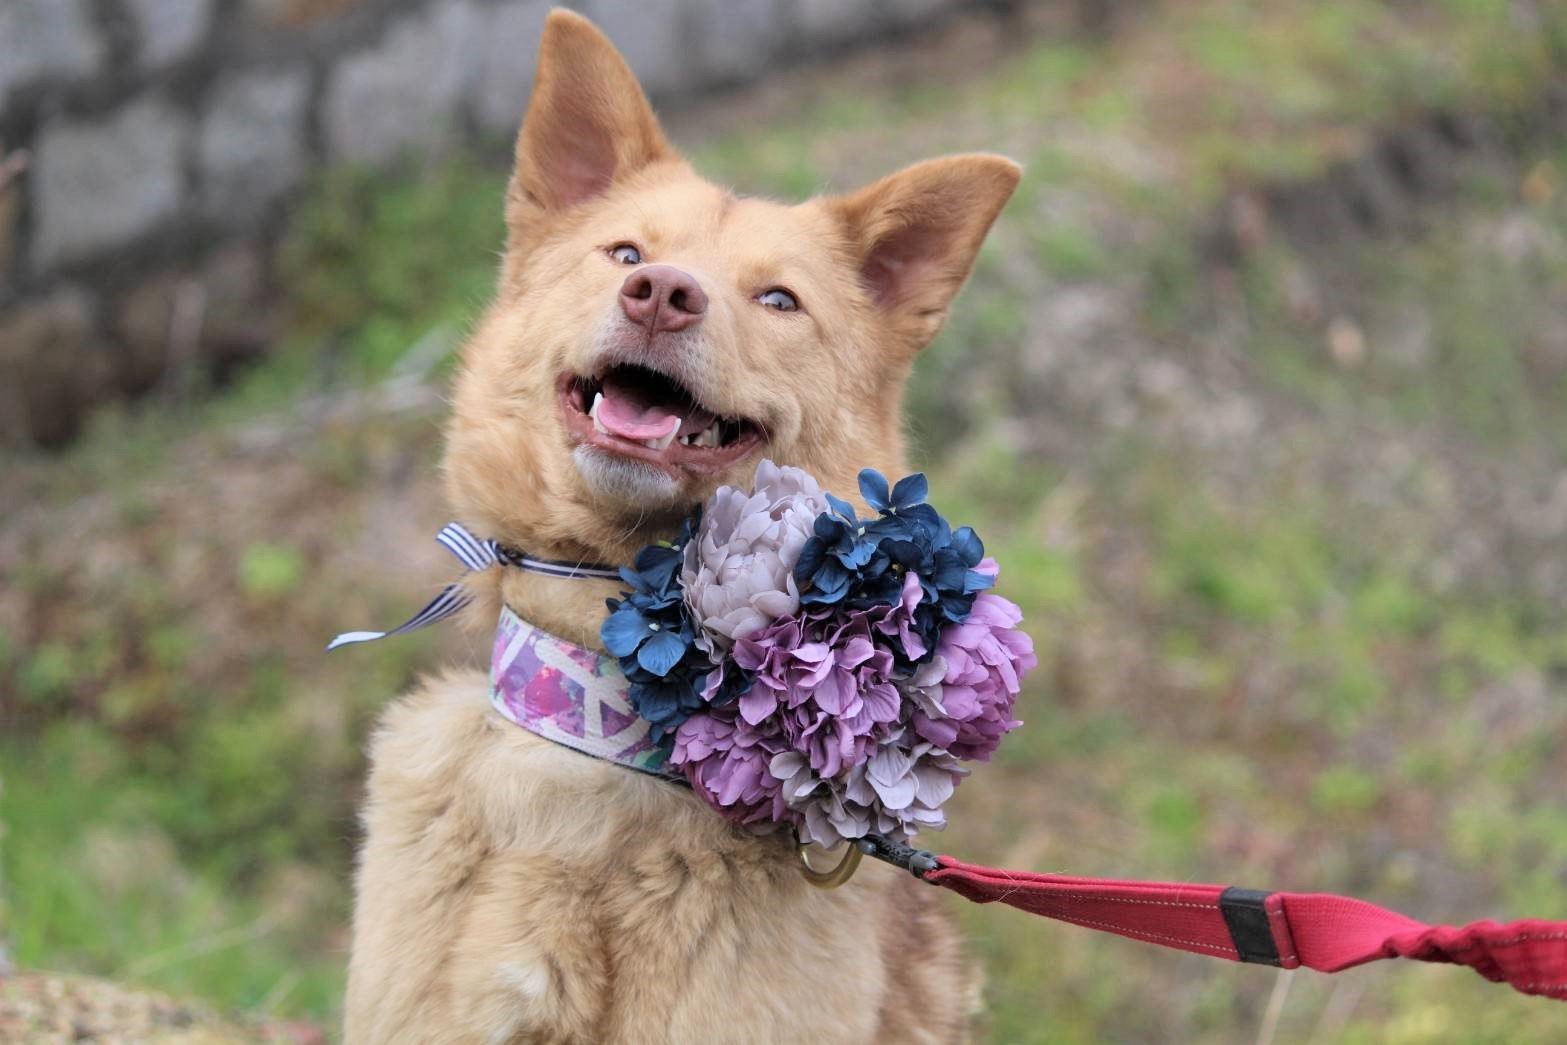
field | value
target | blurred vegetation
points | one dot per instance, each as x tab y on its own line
1275	495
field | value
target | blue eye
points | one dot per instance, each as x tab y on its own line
626	254
780	299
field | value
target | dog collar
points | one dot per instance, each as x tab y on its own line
477	554
568	694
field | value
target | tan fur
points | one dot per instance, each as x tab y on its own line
512	890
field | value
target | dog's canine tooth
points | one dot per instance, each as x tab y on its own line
598	426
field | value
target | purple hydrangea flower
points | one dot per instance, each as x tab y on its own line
897	791
967	708
828	682
727	763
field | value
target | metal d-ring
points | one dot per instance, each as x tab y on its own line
838	875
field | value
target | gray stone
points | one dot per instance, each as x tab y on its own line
507	65
656	38
46	38
252	145
169	30
914	12
738	39
822	20
404	93
99	185
299	14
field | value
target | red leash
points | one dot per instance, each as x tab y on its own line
1318	930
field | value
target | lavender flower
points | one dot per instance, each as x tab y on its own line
828	681
968	709
738	572
898	790
726	761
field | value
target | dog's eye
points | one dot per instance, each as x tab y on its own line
626	254
780	299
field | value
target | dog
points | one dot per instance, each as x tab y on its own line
508	888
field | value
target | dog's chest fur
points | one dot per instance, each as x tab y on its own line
512	890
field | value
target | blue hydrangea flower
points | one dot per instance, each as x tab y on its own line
651	633
858	563
903	509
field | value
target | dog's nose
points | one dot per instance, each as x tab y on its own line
662	297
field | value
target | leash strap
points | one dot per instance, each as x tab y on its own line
1317	930
477	554
1286	930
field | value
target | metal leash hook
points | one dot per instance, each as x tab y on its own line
918	862
838	875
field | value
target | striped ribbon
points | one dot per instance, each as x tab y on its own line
477	554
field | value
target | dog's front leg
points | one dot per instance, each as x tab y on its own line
461	935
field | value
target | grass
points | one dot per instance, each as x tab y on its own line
369	266
1271	658
1295	692
1482	359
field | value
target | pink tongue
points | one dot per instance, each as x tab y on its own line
625	413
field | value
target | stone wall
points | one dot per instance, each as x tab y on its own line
148	148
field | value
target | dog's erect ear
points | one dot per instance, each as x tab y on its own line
588	122
915	234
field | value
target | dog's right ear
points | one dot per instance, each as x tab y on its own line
588	125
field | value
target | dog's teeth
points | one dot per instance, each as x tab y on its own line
598	426
660	443
708	436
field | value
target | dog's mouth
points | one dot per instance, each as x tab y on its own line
640	413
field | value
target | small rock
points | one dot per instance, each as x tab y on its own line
1248	215
1346	342
1541	184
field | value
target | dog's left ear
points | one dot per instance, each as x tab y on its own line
915	234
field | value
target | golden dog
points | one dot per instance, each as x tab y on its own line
510	889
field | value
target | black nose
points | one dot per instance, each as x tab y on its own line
662	297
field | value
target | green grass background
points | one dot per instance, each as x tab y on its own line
1278	510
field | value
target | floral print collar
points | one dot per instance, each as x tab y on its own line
570	695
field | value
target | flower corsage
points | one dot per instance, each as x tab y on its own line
812	668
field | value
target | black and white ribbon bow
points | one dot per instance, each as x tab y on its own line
477	554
